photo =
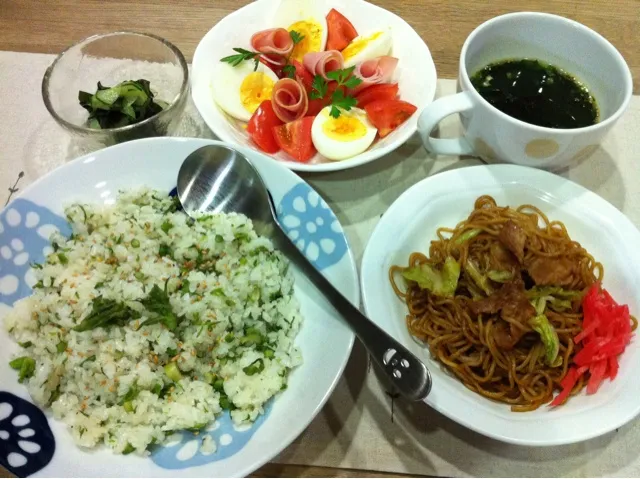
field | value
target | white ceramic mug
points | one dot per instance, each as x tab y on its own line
496	136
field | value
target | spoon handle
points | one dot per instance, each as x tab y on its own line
405	371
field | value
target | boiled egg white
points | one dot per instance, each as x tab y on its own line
239	90
367	47
304	17
340	138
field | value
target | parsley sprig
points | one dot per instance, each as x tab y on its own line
243	55
289	70
296	37
343	78
318	88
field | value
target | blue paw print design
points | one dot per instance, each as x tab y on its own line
310	223
24	231
26	441
183	450
25	228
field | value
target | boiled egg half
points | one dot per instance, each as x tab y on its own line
340	138
304	17
239	90
367	47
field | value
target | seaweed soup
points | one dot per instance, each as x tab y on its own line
536	92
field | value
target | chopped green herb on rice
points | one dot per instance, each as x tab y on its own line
146	322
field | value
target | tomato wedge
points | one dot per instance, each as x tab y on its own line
295	139
260	127
315	106
384	91
387	115
340	31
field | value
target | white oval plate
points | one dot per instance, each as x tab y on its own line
447	198
324	339
416	72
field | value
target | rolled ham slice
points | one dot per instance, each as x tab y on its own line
289	100
275	43
321	63
372	72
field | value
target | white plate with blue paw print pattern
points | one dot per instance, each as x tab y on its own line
34	443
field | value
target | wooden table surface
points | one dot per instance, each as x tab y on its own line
47	26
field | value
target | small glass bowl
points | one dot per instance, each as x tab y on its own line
110	59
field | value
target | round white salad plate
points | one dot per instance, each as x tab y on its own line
34	443
445	199
415	74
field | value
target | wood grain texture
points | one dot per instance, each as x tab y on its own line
47	26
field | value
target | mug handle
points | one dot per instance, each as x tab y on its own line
434	114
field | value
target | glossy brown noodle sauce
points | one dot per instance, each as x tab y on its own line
465	342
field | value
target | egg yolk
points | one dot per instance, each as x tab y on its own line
344	128
358	45
255	88
312	41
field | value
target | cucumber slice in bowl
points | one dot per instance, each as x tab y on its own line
126	103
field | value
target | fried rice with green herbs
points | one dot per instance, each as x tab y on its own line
146	322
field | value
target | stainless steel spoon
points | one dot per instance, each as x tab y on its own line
217	179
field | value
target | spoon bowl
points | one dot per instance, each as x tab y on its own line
218	179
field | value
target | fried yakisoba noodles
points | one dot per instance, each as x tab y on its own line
498	301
